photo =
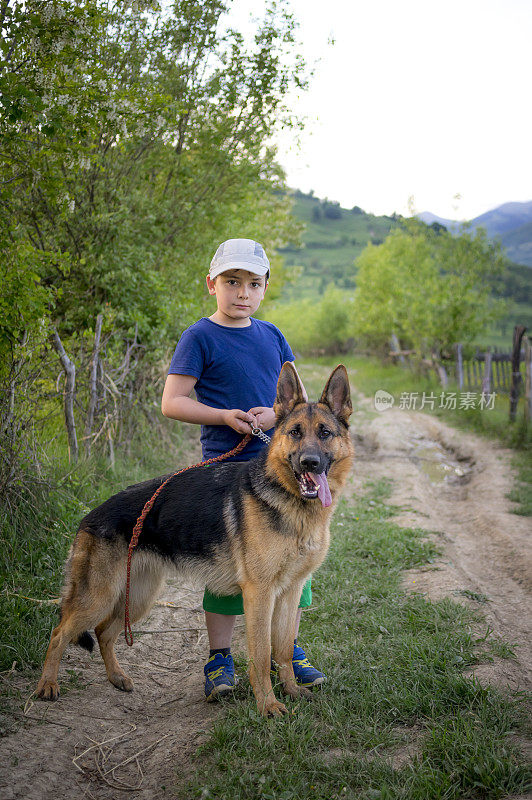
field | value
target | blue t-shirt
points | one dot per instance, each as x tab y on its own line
235	368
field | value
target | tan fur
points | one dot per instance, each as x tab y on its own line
269	567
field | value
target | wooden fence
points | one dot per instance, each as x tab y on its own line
492	371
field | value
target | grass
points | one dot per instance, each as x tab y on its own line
398	718
330	248
522	491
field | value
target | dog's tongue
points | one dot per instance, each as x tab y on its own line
324	493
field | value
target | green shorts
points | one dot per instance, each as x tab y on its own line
234	604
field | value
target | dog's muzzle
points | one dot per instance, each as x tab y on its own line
312	478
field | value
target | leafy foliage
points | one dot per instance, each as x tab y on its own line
429	288
332	248
325	326
131	138
134	137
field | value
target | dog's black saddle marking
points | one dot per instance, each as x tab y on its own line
186	519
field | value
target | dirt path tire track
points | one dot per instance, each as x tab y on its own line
486	547
486	550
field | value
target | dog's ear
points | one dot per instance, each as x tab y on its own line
337	394
289	392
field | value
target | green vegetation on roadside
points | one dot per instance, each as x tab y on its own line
134	138
522	491
398	717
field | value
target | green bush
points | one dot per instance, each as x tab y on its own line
310	326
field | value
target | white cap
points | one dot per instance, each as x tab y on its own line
240	254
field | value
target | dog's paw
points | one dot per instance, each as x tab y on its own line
272	708
47	690
294	691
121	681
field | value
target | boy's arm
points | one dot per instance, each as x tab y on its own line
177	404
265	416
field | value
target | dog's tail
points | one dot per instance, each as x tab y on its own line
86	641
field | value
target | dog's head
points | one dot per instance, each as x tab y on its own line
312	450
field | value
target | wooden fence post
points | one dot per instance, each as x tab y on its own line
459	367
528	380
486	380
394	344
70	372
440	370
516	374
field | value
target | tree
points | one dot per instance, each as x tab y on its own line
334	319
429	288
124	131
332	210
133	138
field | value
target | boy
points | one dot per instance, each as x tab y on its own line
233	362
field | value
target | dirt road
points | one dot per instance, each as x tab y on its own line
96	741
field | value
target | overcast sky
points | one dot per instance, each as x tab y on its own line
414	98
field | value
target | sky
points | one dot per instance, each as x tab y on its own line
412	99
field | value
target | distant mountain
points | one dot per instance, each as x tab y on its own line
518	244
505	218
428	218
511	224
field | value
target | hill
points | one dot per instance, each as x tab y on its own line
518	244
504	219
333	238
510	223
429	218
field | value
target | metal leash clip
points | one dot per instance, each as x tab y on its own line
263	436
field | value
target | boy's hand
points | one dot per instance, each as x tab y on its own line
238	420
264	416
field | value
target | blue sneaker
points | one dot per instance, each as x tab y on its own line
219	676
305	673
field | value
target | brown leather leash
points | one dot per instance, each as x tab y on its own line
149	505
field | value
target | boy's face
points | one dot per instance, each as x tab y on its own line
238	292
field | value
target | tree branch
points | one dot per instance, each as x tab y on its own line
70	385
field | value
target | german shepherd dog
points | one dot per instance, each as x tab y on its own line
259	527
